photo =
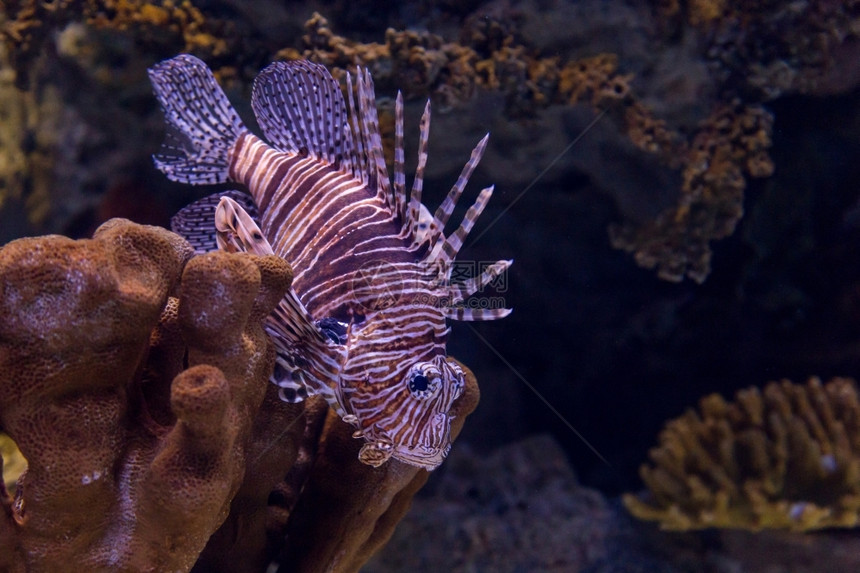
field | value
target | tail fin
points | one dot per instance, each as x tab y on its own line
202	126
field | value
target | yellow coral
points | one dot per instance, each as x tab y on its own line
11	461
595	75
702	12
787	458
731	144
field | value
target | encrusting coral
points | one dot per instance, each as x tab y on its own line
787	457
135	382
772	48
730	146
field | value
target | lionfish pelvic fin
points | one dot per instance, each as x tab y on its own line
237	232
196	221
291	326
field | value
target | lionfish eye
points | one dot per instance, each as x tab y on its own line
418	383
423	380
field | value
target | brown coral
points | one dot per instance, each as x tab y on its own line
126	469
135	382
787	457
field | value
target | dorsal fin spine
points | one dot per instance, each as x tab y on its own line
443	213
448	249
418	181
370	123
361	169
399	161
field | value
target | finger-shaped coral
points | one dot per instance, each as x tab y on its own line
133	463
787	457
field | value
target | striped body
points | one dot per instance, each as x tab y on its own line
365	322
325	222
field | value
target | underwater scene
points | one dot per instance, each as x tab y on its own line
593	308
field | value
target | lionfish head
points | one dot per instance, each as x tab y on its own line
415	427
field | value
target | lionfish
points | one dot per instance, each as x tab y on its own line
364	323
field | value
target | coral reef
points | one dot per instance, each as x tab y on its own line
135	382
748	55
787	457
769	48
27	25
755	52
491	55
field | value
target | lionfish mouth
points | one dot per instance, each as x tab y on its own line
422	456
433	450
430	451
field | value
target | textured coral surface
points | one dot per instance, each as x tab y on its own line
134	452
787	457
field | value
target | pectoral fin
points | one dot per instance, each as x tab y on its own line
196	222
237	232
